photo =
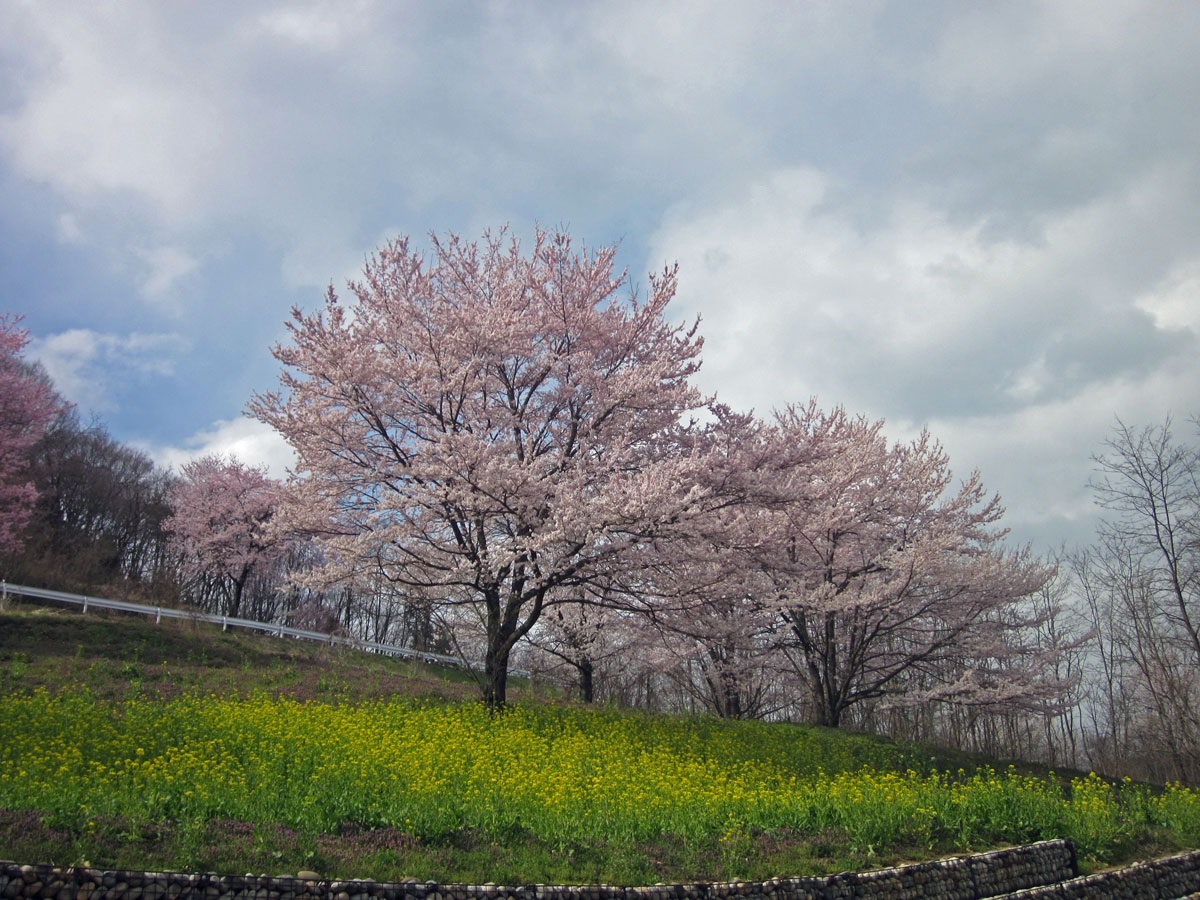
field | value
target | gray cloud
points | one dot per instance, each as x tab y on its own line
983	218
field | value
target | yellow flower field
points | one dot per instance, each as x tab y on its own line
566	777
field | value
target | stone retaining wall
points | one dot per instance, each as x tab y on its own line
956	878
1161	879
1044	871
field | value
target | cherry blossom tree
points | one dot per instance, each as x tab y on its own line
887	583
703	597
28	404
723	654
581	638
493	425
221	524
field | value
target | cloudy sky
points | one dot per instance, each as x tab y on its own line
983	218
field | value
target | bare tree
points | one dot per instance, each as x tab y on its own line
1151	484
1141	586
99	513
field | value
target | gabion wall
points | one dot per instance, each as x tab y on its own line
1043	871
956	878
1169	878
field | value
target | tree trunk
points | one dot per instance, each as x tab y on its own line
495	677
729	696
586	688
235	603
825	712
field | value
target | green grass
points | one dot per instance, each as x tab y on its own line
116	656
177	746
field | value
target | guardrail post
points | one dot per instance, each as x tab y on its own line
224	624
158	615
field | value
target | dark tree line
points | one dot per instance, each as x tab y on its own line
98	518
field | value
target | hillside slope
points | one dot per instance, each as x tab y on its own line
177	746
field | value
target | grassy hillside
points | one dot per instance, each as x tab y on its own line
177	746
117	657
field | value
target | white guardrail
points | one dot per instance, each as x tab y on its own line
226	622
